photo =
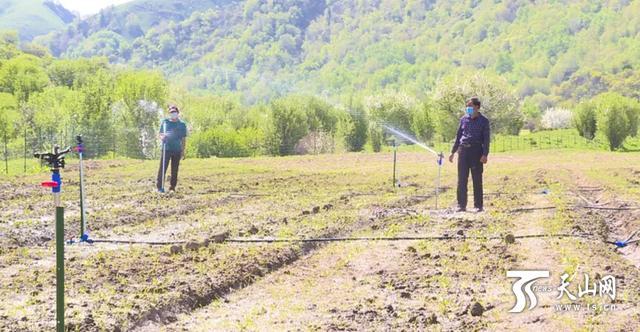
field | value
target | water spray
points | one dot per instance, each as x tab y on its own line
55	160
440	155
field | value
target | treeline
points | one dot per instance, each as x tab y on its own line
298	124
50	100
118	110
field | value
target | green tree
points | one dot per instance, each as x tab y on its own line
9	117
321	116
289	124
140	100
22	76
617	118
423	123
54	113
499	103
376	137
9	42
95	117
532	114
357	132
73	73
393	109
504	64
584	119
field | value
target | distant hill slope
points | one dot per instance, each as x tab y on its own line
32	18
549	51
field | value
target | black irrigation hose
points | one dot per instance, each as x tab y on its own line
578	207
532	209
405	238
625	208
151	243
352	239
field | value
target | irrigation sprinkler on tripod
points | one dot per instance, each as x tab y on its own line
164	154
55	160
440	163
84	236
440	155
392	142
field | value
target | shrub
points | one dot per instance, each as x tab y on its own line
225	141
289	125
617	118
394	109
376	137
423	123
357	129
584	119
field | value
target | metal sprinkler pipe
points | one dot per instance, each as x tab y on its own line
56	162
164	153
395	150
440	155
440	163
80	150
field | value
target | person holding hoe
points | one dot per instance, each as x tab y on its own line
173	133
472	145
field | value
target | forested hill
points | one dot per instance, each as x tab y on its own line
33	17
549	51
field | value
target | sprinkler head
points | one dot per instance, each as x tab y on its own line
55	160
391	142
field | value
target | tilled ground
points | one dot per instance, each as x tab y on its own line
453	284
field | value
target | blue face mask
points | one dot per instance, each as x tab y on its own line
174	116
469	110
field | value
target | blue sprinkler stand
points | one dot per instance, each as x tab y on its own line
83	221
621	244
629	240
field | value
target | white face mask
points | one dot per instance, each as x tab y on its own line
174	116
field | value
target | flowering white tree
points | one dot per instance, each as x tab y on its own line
557	118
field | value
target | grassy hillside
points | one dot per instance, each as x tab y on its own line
111	32
548	51
33	17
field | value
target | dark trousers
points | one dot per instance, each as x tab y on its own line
469	160
174	157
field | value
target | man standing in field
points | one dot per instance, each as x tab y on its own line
472	145
173	133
